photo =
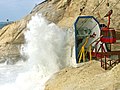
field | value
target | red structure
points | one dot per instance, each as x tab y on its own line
108	37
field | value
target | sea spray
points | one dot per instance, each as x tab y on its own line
45	50
45	44
45	47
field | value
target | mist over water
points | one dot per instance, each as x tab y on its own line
45	50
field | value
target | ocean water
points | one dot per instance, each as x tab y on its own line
2	24
46	47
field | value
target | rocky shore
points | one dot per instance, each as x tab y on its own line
61	12
89	76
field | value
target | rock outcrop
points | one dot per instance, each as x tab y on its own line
61	12
89	76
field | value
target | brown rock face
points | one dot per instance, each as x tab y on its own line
61	12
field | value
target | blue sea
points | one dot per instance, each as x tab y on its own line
2	24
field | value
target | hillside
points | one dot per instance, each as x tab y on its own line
61	12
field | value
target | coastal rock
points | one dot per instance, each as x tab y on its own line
89	76
61	12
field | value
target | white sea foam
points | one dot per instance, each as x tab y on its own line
46	53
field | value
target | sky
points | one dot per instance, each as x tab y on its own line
16	9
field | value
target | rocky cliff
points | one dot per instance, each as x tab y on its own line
61	12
